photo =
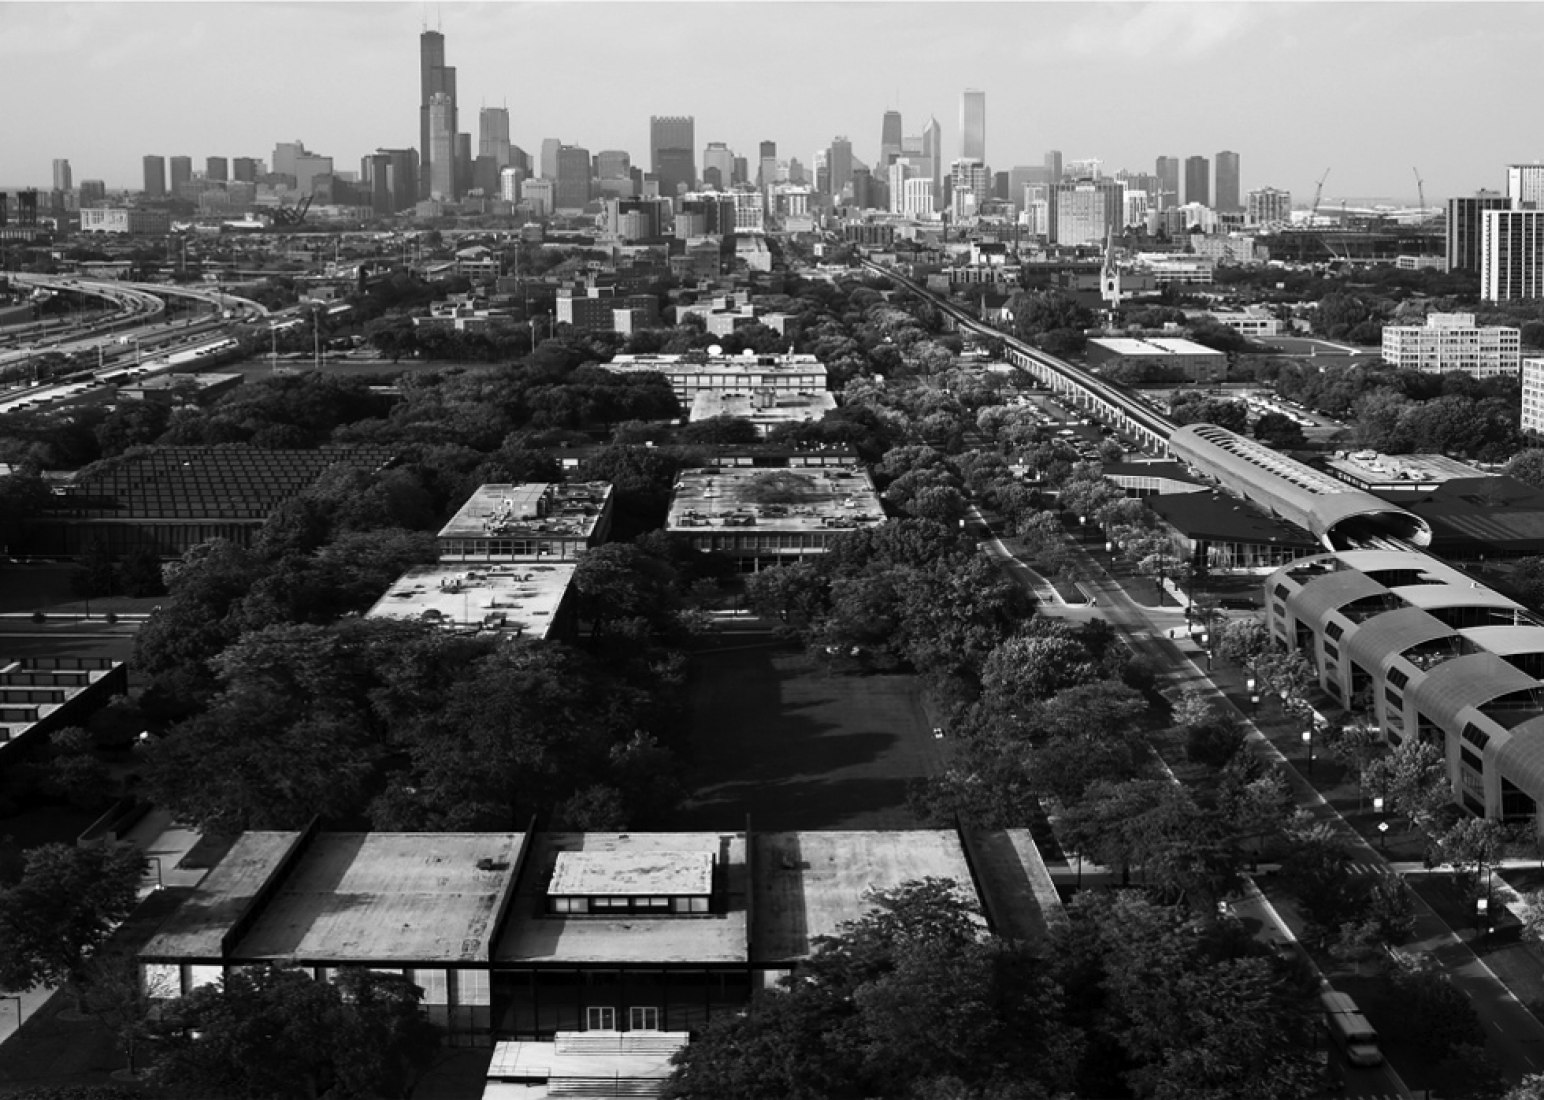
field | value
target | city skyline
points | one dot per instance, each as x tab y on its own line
1265	80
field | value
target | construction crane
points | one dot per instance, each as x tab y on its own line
1318	193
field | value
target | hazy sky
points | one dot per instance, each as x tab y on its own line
1367	90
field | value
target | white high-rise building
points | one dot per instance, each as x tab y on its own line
1525	186
917	197
1533	398
972	187
1266	206
1452	341
1512	255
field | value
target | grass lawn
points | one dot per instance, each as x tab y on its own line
774	736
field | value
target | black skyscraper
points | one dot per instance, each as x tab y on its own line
434	77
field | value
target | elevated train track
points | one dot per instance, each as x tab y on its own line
1338	515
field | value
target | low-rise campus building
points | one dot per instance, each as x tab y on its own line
533	521
41	694
1180	358
1434	656
764	517
528	936
690	373
510	599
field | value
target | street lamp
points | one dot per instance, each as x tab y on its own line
1481	915
1383	826
159	885
1251	686
1308	740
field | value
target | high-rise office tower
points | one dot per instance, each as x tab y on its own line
973	125
717	165
217	169
549	158
766	164
63	179
1022	176
839	165
1198	183
244	170
1466	227
673	152
91	191
1525	186
1085	211
155	176
933	149
1053	165
181	172
613	164
435	78
573	180
442	147
889	139
463	163
1167	171
1227	183
972	186
493	134
1512	255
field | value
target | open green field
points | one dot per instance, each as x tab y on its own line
775	737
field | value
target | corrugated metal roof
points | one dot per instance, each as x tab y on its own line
1455	595
1385	636
1507	639
1519	756
1451	688
1316	599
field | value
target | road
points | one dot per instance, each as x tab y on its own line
1515	1038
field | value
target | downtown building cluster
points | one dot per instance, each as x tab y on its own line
913	175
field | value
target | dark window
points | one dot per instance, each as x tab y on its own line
1331	650
1471	760
1396	700
1282	591
1476	736
1334	630
1398	677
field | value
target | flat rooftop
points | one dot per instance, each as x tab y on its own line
532	935
384	897
1370	467
775	500
517	598
780	408
567	509
809	884
717	364
1155	345
625	873
198	927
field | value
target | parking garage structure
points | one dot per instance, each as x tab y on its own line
1430	654
1339	516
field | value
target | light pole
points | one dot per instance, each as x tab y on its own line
1251	685
1383	825
159	884
1481	915
1308	740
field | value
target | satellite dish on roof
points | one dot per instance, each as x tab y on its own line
715	349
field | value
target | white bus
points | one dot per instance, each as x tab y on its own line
1350	1029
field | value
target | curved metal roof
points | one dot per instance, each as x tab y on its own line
1316	599
1519	755
1383	637
1305	496
1507	640
1451	688
1456	595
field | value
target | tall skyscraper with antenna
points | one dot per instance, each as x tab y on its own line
434	78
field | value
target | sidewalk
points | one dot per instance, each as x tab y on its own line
164	845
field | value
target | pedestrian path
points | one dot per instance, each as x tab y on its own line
164	844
